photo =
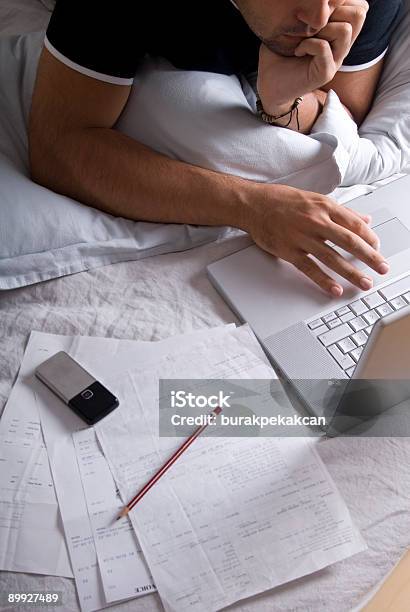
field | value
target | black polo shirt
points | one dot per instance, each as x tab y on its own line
108	40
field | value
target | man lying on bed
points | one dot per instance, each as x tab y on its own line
298	48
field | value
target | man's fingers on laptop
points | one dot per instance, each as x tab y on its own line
333	260
366	218
359	248
312	270
356	223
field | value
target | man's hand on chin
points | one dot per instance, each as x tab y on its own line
316	60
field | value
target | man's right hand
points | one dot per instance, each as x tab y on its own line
316	61
297	225
326	51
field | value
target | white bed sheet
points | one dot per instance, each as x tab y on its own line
169	294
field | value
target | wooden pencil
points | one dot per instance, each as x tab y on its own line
134	501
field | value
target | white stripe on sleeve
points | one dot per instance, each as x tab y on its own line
363	66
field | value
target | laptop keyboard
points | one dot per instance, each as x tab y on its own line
344	332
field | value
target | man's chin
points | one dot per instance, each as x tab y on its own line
284	48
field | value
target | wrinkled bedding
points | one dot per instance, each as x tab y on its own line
170	294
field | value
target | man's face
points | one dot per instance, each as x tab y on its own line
282	24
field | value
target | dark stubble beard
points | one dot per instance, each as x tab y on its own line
279	48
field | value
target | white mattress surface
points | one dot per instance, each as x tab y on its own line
170	294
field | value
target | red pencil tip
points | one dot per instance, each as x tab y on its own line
218	410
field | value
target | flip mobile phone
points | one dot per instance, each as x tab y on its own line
85	395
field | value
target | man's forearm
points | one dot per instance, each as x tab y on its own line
112	172
107	170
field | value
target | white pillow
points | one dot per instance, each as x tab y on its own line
44	235
209	120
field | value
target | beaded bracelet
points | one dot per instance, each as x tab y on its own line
271	118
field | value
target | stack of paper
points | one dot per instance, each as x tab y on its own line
32	536
233	517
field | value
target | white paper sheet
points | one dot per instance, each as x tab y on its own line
31	537
234	516
31	534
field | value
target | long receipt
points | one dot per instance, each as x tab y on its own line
123	570
31	538
234	516
31	534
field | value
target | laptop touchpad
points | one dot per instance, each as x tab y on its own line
394	237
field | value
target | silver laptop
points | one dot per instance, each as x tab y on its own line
311	337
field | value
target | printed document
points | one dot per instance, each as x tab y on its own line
31	533
122	567
233	516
